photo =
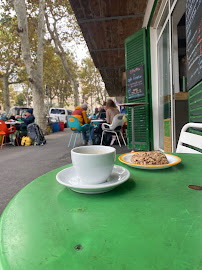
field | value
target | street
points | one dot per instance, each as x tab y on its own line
21	165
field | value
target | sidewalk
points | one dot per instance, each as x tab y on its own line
21	165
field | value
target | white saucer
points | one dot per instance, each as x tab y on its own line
69	178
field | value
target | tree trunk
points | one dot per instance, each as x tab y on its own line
76	93
38	96
38	104
6	100
35	75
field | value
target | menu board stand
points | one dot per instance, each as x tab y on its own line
135	82
132	105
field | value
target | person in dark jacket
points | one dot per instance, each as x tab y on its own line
28	118
102	112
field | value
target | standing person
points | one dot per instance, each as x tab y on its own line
111	111
80	114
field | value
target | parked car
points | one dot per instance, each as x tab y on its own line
60	114
17	110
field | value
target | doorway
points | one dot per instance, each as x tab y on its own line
181	114
172	78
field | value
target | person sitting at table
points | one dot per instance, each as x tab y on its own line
95	115
99	108
102	111
28	118
123	110
80	114
111	111
101	115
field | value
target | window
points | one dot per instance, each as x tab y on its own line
58	111
61	111
54	111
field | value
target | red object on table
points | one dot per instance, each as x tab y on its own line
6	131
61	126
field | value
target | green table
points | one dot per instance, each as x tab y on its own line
151	222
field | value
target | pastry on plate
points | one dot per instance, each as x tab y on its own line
149	158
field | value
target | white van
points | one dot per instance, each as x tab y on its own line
60	114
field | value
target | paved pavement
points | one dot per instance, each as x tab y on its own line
21	165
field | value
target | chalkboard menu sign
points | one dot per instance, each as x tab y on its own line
135	82
194	41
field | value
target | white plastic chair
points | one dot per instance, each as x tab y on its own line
117	121
189	139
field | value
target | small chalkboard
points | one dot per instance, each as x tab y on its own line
135	82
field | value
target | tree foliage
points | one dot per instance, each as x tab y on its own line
20	100
91	81
24	98
60	69
55	77
1	90
11	65
63	28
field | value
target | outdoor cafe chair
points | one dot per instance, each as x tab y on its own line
5	132
76	128
190	142
117	122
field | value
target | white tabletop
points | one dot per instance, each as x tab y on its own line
98	120
13	122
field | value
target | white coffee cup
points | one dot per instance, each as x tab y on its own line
93	164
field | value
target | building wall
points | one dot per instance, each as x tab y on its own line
148	12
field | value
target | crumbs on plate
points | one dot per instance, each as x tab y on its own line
149	158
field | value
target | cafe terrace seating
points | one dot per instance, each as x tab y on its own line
76	128
117	122
5	132
190	142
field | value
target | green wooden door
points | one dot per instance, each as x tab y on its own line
195	106
135	55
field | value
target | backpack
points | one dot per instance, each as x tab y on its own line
26	141
97	138
36	134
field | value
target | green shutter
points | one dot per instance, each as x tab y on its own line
135	55
195	106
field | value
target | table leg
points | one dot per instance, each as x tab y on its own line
132	127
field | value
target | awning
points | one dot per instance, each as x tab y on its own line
105	25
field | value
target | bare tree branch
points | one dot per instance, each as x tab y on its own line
60	51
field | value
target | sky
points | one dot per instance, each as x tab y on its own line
82	52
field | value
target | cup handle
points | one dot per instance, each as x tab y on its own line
114	155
